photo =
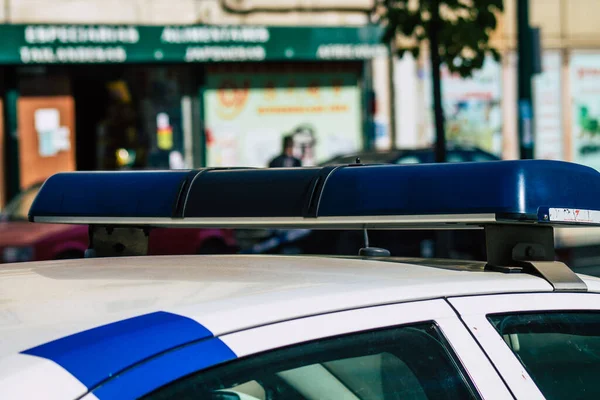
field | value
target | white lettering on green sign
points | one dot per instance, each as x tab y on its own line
350	51
221	53
202	34
70	54
81	34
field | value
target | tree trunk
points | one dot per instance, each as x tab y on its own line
443	238
525	65
440	134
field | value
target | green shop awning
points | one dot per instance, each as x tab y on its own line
75	44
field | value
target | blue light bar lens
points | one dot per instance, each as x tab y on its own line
109	194
524	190
511	189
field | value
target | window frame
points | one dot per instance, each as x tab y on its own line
480	372
325	350
476	367
474	311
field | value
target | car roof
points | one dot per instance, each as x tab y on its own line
45	301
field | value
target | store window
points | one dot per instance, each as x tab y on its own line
143	126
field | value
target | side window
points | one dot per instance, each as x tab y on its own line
411	362
560	351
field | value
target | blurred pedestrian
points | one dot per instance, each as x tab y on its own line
286	159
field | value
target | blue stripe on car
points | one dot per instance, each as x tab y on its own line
95	355
167	368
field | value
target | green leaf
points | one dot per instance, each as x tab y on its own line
495	54
415	51
464	41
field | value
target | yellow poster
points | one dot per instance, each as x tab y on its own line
247	114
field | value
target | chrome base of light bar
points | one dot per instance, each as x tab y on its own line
412	222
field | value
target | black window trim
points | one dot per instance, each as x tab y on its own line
269	358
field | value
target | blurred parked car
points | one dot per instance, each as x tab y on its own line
454	153
468	244
21	240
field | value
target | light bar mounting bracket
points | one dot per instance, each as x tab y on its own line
512	248
110	241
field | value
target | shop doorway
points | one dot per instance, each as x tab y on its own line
130	117
97	117
92	100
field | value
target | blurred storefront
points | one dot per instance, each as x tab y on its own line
482	110
584	75
473	107
119	97
565	94
248	109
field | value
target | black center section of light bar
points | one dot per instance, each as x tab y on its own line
267	193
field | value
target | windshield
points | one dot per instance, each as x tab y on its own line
18	208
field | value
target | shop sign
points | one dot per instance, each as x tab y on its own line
472	107
585	95
548	108
350	51
64	44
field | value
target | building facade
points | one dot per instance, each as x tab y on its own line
103	84
483	110
148	84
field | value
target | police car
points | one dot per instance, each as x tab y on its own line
119	325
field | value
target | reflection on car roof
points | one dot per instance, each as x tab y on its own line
48	300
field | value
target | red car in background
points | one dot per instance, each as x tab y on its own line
21	240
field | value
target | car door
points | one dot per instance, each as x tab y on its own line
413	350
545	345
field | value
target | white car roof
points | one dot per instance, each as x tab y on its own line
45	301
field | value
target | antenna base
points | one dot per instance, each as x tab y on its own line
373	252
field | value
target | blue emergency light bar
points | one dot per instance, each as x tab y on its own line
347	196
